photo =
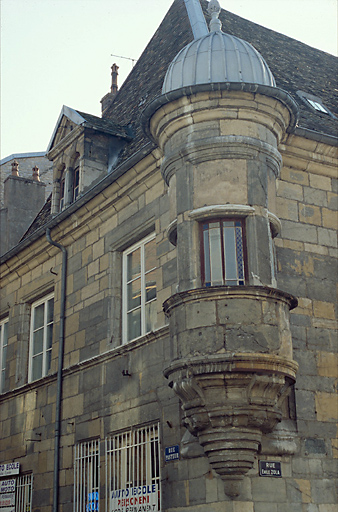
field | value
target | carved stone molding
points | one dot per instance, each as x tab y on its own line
228	402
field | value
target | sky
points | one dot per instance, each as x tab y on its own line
59	52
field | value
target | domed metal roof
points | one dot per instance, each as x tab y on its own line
217	57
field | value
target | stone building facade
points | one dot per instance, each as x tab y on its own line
27	161
168	322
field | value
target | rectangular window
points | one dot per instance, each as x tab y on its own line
87	476
41	337
133	469
3	351
223	252
23	493
139	289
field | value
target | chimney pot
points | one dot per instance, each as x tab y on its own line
15	168
36	172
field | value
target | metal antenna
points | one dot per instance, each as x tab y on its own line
127	58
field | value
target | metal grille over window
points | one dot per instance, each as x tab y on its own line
133	470
223	253
139	289
41	337
23	493
87	476
3	351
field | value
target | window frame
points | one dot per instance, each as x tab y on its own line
221	220
125	457
44	370
3	351
138	245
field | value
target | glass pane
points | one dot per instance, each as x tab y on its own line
150	316
215	253
134	294
134	324
134	264
38	342
206	246
48	361
2	383
239	250
150	255
49	336
37	367
151	286
5	333
230	252
4	357
38	316
50	311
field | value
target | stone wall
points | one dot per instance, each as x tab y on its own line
98	399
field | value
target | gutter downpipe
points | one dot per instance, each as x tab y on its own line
59	373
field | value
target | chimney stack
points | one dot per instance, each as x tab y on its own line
114	75
108	99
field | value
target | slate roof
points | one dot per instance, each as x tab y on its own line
295	66
105	125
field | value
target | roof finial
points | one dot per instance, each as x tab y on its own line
214	10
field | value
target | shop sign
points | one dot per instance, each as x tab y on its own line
12	468
7	486
270	468
144	498
172	453
7	500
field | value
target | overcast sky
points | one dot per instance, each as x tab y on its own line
58	52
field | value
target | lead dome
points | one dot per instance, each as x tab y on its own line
217	57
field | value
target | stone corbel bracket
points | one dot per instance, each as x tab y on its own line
229	401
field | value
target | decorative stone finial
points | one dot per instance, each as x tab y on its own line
214	10
36	172
15	168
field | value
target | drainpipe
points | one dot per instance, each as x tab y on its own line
59	373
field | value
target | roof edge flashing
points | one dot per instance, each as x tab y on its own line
196	17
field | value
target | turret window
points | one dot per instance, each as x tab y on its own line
223	252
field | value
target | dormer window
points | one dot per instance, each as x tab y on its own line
314	102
